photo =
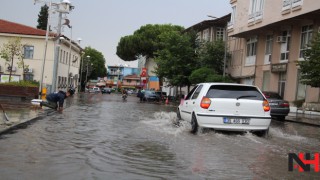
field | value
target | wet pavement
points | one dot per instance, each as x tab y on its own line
103	137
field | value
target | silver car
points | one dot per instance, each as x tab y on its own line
226	106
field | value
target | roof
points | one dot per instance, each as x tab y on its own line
15	28
134	76
222	21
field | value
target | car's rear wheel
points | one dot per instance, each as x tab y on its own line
263	133
194	124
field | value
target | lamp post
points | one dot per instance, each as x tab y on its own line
87	68
81	56
45	50
64	7
68	75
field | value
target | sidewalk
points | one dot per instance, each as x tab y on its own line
16	118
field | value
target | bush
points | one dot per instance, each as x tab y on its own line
23	83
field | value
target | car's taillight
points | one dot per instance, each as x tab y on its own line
284	105
205	103
266	106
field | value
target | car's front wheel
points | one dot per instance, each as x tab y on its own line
194	124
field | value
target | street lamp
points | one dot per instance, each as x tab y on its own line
88	57
63	7
68	75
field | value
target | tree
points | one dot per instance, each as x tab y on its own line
43	17
212	54
310	67
177	58
98	68
10	50
144	42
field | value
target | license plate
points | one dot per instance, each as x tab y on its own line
273	104
236	120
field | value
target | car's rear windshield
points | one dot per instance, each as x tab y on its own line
234	92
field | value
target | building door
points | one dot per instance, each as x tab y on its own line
301	89
282	83
266	80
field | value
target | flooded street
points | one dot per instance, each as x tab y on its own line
103	137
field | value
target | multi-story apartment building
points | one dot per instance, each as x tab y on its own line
116	74
34	43
267	39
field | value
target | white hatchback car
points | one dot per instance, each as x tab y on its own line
226	106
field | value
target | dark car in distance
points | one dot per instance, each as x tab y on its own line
279	108
151	96
106	90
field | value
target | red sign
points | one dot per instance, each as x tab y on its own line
143	72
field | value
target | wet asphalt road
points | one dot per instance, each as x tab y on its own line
103	137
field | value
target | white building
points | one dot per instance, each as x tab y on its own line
34	44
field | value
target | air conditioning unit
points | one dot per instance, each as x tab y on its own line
28	70
282	39
12	69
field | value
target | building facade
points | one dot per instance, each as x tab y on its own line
34	45
116	74
267	39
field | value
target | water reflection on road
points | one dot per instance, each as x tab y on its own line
104	137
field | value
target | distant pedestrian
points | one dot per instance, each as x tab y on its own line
142	95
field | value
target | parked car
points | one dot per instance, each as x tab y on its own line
94	90
226	106
162	95
151	96
279	108
106	90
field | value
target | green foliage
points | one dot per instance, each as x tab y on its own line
10	50
98	68
211	55
176	59
23	83
310	68
207	75
144	42
43	17
200	75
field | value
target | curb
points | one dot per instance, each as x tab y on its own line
18	125
298	122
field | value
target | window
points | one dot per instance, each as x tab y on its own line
128	80
205	35
256	10
266	80
233	92
220	33
282	83
285	46
233	17
268	50
286	5
191	92
196	94
251	51
306	36
28	52
301	90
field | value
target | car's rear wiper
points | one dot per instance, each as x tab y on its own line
244	97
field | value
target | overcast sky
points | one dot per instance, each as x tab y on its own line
101	23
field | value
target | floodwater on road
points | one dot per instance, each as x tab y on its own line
103	137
